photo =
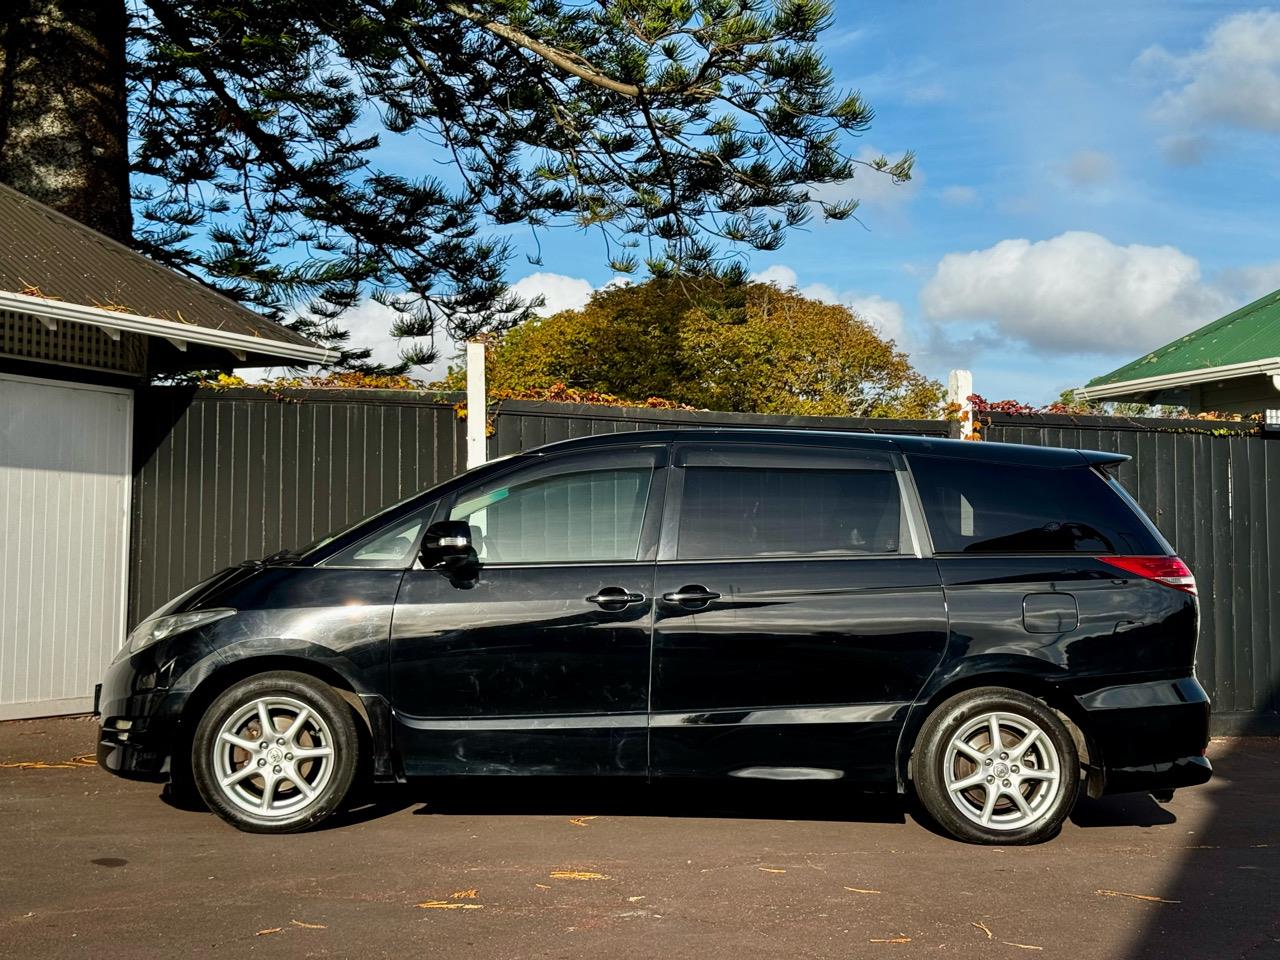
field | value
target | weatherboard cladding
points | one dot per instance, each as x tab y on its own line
44	253
1248	334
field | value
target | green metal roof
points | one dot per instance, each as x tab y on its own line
1251	333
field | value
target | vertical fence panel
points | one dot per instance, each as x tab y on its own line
1208	487
222	477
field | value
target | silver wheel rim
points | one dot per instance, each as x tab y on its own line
1002	771
273	757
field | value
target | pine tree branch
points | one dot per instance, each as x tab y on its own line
566	61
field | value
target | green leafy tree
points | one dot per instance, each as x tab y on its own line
685	132
751	348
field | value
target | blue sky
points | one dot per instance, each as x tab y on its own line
1093	179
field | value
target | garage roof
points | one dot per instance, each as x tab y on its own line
1243	343
58	269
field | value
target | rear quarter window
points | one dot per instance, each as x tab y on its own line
984	507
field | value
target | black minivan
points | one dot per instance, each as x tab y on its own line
993	627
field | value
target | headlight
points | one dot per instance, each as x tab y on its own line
152	631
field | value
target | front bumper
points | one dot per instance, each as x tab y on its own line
1149	736
138	723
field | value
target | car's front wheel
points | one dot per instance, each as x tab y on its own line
275	753
994	765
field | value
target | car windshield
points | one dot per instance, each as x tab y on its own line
373	520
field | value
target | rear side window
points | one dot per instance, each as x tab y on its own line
980	507
773	505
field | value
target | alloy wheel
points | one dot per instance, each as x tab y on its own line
1002	771
273	756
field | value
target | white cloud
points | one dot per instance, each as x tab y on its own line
561	292
370	322
872	188
959	196
1075	293
1089	167
1232	79
1246	284
782	277
1185	150
370	325
886	316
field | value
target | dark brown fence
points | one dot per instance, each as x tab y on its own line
520	425
1214	492
220	476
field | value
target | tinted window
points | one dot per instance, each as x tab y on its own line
977	507
761	510
585	515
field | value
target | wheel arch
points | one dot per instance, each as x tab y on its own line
1032	684
225	677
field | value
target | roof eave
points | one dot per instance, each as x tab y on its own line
1171	381
238	344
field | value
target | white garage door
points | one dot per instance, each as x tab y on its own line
64	528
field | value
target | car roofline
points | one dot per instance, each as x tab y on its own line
904	443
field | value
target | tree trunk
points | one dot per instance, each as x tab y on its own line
63	119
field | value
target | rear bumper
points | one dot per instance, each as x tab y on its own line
1150	735
1183	772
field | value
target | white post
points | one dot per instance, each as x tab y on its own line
959	389
477	414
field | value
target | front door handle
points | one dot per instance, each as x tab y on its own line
692	596
615	598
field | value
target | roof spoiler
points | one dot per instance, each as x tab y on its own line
1100	458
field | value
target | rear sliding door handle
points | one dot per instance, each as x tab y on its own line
615	598
692	596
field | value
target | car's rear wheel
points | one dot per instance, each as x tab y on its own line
996	766
275	753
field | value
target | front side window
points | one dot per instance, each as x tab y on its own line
982	507
394	546
775	505
560	514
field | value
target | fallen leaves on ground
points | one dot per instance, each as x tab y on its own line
85	760
470	894
581	821
577	875
448	905
984	928
861	890
267	932
1134	896
309	926
1021	946
898	939
771	869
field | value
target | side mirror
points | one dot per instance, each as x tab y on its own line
447	545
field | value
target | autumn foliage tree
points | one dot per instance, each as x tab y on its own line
753	349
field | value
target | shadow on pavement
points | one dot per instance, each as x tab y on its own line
1123	810
582	797
1227	883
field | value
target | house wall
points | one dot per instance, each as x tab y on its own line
64	520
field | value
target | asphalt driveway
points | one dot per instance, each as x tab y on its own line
92	866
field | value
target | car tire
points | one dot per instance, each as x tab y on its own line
293	777
1017	791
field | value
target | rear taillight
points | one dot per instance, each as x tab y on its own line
1170	571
